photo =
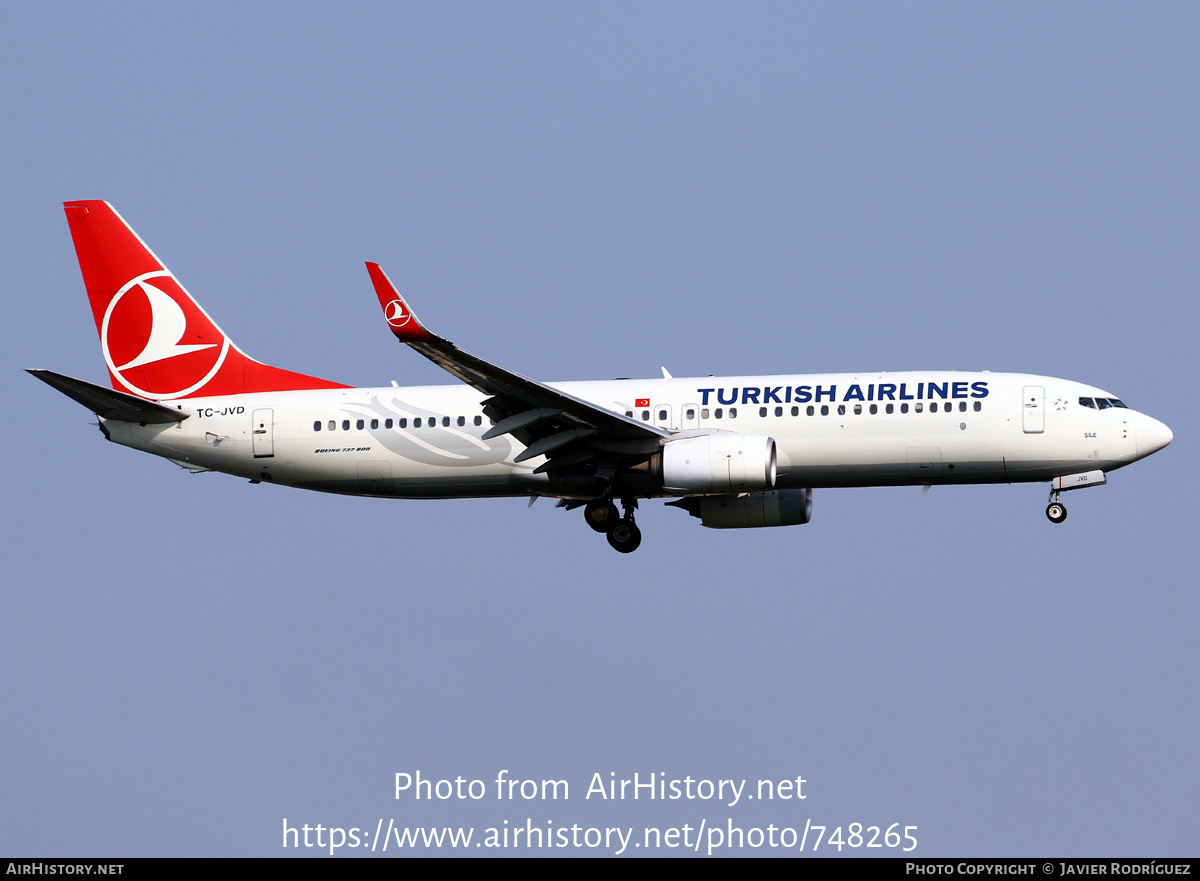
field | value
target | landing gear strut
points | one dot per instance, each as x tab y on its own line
1056	510
623	535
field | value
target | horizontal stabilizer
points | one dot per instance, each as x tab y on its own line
110	404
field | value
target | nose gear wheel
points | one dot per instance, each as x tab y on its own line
1056	510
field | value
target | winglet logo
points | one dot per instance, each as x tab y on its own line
397	313
151	335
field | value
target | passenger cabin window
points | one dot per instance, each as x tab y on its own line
359	425
717	413
810	410
703	412
345	425
733	412
387	423
778	411
962	406
662	415
978	406
462	420
629	413
417	422
858	409
691	413
841	409
317	425
403	423
824	409
891	408
795	411
479	420
645	415
332	425
374	423
904	408
874	409
762	411
446	421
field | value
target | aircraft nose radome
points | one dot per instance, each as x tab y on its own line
1152	435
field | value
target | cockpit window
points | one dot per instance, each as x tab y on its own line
1102	403
1117	403
1087	402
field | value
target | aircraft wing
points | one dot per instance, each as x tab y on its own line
571	432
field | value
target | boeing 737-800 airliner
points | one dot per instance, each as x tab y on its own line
741	451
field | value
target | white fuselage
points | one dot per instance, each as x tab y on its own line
425	441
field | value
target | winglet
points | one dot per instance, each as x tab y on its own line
400	318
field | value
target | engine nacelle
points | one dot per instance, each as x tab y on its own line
722	462
784	507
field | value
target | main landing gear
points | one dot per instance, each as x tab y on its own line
601	514
623	534
1056	510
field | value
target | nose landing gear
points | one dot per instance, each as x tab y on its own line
1056	510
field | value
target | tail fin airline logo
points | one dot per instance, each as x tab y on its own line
397	313
157	342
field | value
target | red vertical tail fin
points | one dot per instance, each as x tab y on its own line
157	341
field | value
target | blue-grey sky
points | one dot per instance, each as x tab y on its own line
583	191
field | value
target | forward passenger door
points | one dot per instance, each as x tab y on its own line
1033	409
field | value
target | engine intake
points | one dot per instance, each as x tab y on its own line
722	462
